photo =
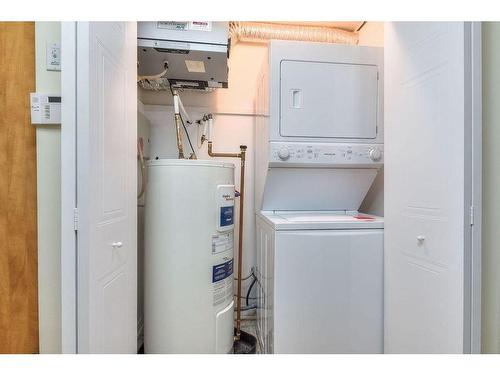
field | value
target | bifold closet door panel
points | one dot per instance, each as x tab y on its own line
106	92
424	187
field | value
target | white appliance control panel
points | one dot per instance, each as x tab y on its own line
318	154
45	108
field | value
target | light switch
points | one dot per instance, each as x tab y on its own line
54	56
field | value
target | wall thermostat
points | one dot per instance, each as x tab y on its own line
45	108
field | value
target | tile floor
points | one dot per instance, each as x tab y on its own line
250	326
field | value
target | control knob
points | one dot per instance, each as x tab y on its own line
375	154
284	153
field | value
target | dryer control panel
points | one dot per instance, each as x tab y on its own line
283	154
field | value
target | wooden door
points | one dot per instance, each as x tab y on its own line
18	226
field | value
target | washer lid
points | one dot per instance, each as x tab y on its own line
310	220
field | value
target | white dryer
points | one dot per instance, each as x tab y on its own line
319	140
320	282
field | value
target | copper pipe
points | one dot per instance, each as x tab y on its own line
240	240
242	156
222	154
179	135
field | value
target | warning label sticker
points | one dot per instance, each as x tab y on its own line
172	25
222	281
184	26
222	242
200	25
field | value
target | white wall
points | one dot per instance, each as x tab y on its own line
491	184
372	34
48	145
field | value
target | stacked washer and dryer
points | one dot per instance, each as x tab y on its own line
319	148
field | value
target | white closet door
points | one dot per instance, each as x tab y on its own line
106	187
427	180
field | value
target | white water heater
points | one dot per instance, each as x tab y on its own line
189	235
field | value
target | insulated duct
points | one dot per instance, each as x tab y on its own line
259	31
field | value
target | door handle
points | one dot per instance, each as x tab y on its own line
117	244
296	96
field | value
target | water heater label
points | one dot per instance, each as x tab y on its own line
221	271
222	242
225	207
222	282
226	216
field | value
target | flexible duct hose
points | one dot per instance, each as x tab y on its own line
254	31
153	77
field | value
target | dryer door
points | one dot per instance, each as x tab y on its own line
328	100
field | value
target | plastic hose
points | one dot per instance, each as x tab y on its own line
250	289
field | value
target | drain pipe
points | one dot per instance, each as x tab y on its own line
241	155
